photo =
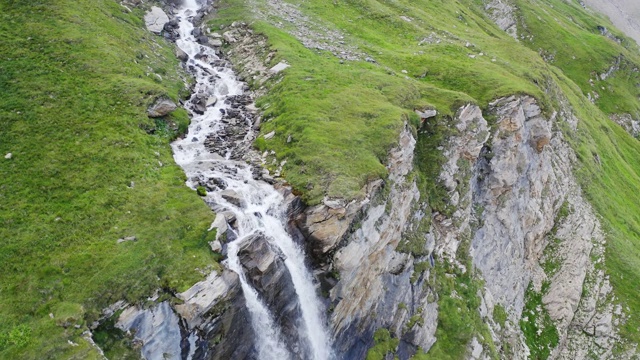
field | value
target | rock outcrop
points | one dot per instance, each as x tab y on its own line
502	12
161	107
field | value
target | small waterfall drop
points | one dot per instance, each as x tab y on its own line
258	208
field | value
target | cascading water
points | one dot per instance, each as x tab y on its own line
258	207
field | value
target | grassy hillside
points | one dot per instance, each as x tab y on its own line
343	117
76	77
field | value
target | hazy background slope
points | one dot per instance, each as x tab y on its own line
624	14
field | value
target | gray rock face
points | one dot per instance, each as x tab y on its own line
516	214
631	125
155	20
375	279
265	270
161	107
519	180
157	328
502	12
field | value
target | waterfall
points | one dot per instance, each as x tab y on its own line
259	209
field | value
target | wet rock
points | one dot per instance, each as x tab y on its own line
161	107
267	274
157	328
233	197
212	100
199	103
155	20
181	55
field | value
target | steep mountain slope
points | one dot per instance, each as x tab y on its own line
431	54
76	78
466	190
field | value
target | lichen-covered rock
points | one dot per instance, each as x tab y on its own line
155	19
161	107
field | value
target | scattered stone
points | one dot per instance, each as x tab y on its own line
215	42
155	20
181	55
229	37
270	135
127	238
279	67
426	114
161	107
212	100
8	156
216	246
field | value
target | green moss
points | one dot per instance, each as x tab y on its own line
384	344
500	315
201	191
115	343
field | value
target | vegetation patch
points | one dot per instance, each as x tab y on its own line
458	316
384	344
540	333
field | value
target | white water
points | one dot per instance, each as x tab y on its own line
263	205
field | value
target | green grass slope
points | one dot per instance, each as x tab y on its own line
76	77
344	117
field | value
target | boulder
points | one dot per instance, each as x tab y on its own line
229	37
155	20
181	55
215	42
233	197
279	67
212	100
426	114
200	104
161	107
